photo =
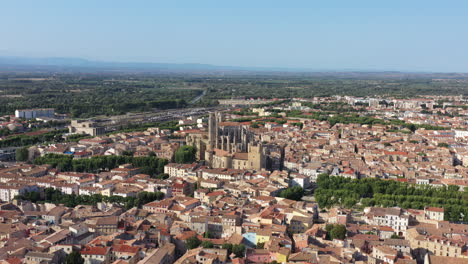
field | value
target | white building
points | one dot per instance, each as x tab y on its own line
300	180
8	193
392	217
33	113
434	213
461	133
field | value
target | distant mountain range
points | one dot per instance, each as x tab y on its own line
59	64
84	63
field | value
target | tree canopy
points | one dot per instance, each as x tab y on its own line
336	231
192	242
149	165
22	140
334	190
185	154
293	193
207	244
238	250
74	258
22	154
71	200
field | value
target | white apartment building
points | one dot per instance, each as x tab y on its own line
392	217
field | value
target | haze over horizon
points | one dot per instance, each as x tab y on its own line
363	35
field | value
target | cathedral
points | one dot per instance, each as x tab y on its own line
229	145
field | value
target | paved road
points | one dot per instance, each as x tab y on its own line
198	98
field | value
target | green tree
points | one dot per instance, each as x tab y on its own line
292	193
22	154
185	154
238	250
349	202
74	258
208	234
228	247
254	125
127	153
192	242
329	227
162	176
207	244
338	232
150	165
443	145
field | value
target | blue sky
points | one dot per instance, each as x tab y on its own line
409	35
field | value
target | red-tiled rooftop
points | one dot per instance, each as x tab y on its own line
435	209
125	248
94	251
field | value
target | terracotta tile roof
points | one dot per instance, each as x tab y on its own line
186	235
13	260
95	251
435	209
217	193
125	248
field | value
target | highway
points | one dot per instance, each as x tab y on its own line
198	98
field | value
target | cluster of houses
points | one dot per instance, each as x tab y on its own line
216	208
235	214
153	141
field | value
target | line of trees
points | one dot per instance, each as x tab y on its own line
362	120
26	140
340	107
167	104
148	165
387	193
54	196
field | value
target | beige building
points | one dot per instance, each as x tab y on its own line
228	145
436	245
86	127
253	159
162	255
107	225
431	259
383	254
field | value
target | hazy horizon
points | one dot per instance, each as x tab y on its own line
416	36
